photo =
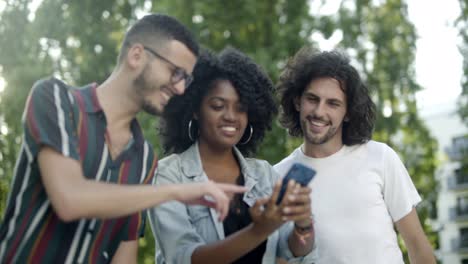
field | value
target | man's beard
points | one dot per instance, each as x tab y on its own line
143	86
318	140
149	108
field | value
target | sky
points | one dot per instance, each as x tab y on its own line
438	68
438	61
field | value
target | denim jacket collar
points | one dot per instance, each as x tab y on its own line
192	165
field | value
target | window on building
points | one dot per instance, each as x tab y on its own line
462	205
464	237
461	174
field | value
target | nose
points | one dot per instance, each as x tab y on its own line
229	114
320	109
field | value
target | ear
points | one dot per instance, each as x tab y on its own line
346	118
297	103
135	55
195	116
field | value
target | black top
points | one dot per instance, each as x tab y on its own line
238	218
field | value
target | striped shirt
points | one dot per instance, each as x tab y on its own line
71	121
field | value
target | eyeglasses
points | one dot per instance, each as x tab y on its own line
177	73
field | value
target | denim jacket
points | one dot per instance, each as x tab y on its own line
179	229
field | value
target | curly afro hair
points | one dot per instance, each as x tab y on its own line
309	64
250	81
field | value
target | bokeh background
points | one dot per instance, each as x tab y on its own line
78	41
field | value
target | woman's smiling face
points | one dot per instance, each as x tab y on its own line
222	118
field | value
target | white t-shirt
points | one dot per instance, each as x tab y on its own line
357	195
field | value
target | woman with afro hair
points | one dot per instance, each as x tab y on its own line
210	132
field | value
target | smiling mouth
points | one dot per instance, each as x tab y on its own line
228	129
166	95
317	122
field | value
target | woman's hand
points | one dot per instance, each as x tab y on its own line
267	216
211	194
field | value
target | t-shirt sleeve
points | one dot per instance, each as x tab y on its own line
48	119
400	194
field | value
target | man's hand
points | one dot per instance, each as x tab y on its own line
73	196
297	207
211	194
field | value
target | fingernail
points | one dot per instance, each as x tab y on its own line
292	197
286	210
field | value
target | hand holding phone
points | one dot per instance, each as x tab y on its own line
298	172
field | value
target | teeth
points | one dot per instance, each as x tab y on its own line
316	123
230	129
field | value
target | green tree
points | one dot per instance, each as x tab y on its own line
269	31
462	24
78	41
83	48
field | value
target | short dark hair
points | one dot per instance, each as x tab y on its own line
250	81
309	64
157	28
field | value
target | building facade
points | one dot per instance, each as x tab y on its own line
452	203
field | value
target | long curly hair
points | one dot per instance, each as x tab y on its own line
250	81
309	64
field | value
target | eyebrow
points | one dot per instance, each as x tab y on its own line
336	100
224	99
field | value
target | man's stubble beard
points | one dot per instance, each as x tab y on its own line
142	87
313	139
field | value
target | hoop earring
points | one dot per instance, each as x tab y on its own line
250	136
190	130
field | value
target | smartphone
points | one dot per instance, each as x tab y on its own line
299	173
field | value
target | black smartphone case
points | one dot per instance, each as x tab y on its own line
298	172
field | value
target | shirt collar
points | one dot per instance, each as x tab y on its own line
192	165
93	106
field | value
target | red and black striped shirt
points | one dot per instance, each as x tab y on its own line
71	121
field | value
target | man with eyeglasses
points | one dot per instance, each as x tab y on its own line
81	180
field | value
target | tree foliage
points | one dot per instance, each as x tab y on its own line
78	41
462	24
